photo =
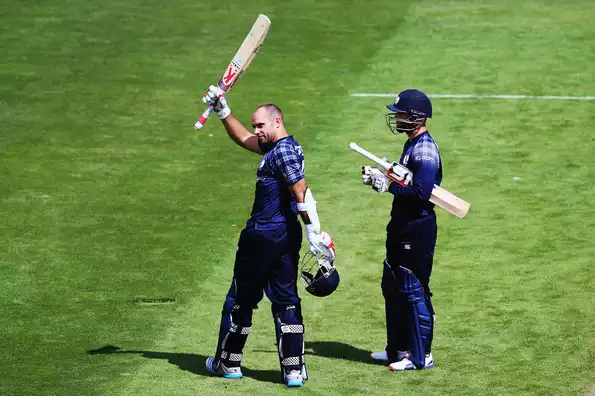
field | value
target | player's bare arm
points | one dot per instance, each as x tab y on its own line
298	190
242	136
237	132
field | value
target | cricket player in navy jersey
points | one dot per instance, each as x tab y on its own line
411	237
267	255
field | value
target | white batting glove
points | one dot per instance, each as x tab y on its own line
368	172
313	236
367	175
380	183
215	97
321	242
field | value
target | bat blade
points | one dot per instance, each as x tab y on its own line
449	202
241	60
246	52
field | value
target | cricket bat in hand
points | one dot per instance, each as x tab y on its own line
402	175
240	61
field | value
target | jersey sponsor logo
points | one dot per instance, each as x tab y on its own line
424	158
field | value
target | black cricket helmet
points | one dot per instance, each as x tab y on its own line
319	274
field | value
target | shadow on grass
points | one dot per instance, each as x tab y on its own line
335	350
339	350
193	363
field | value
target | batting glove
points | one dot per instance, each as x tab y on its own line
367	175
215	97
368	172
380	183
321	242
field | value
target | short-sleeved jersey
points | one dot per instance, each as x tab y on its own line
281	166
422	157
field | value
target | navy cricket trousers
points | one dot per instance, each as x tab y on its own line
267	260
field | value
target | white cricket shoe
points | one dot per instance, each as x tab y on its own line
429	361
406	364
294	378
222	370
383	356
380	356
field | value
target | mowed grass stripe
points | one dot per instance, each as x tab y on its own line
500	156
100	199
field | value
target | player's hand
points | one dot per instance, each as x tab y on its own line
215	97
321	242
367	175
368	172
380	182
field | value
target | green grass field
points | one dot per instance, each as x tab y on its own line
108	195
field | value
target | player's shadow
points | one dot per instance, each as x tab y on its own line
191	362
334	350
339	350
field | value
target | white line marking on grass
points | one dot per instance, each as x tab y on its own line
473	96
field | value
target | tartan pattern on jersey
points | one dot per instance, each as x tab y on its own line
289	160
425	149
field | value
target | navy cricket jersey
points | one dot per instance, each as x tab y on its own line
422	157
280	167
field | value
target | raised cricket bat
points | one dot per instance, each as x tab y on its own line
241	60
399	173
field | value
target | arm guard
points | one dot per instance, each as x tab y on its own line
309	206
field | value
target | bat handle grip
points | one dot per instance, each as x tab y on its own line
203	118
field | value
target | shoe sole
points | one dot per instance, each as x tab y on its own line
409	368
233	376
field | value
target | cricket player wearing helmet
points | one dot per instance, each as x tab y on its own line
411	237
267	255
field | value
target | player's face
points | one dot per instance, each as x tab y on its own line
402	116
264	126
401	122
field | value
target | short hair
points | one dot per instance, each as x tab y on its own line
272	110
